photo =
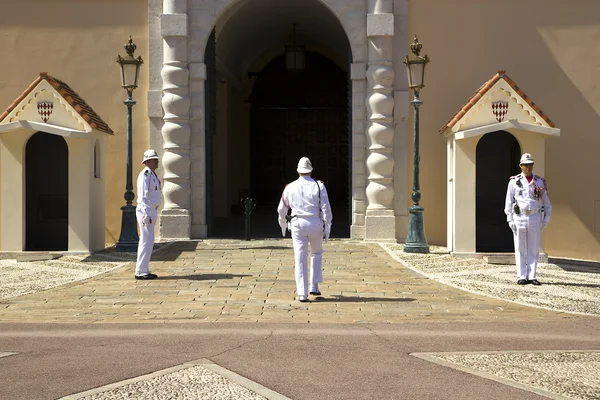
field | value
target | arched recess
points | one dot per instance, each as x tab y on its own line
240	161
497	158
46	193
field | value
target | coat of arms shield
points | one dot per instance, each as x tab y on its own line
45	109
500	108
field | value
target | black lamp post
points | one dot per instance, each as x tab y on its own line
130	68
415	68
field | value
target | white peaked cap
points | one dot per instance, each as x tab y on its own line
304	166
149	155
526	159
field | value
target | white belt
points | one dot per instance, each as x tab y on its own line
307	216
529	212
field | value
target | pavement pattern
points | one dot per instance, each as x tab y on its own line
365	283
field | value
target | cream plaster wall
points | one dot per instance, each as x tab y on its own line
77	41
550	48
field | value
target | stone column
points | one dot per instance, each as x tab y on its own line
380	221
175	220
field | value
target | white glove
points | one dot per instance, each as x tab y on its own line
283	225
327	231
146	220
512	226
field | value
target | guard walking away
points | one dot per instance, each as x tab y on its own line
309	221
149	197
528	211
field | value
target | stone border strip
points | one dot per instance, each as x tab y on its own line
434	358
205	363
6	354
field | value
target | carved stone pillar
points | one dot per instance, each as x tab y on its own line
380	221
175	220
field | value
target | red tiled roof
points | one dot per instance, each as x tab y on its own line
83	109
483	90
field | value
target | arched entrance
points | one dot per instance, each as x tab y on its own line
46	193
497	158
296	114
261	117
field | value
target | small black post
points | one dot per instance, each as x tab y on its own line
248	204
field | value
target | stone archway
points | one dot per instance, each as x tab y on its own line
185	27
497	158
46	193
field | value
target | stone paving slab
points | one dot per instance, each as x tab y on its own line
233	281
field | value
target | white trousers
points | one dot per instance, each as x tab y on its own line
527	244
146	243
305	231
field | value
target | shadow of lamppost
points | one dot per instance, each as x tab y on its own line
415	68
130	68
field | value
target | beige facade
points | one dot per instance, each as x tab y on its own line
546	46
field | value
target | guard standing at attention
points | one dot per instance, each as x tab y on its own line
148	200
309	221
528	211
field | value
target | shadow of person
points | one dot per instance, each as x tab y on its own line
358	299
202	277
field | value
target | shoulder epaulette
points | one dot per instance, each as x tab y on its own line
515	177
146	172
321	181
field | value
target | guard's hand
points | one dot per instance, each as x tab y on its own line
146	220
327	231
512	226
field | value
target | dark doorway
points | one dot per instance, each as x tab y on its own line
296	114
46	193
497	160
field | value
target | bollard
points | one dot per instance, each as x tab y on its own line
248	204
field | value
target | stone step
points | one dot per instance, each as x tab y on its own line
29	257
509	259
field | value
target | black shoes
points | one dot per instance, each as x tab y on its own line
315	293
534	282
303	300
146	277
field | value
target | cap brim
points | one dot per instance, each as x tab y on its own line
303	170
526	163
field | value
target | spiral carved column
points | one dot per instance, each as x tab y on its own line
380	221
175	221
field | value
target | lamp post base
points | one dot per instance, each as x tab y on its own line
415	240
128	240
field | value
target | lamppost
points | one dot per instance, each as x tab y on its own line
130	68
415	68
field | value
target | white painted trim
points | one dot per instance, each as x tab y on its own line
504	126
42	127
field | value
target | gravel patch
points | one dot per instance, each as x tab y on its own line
562	288
566	374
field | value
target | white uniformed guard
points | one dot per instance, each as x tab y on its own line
148	200
528	211
310	218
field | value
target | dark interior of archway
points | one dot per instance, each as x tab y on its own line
46	193
497	160
296	114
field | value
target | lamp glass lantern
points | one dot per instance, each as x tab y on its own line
415	66
295	54
130	67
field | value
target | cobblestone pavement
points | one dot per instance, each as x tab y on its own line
238	281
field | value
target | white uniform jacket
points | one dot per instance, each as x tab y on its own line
148	190
529	196
307	198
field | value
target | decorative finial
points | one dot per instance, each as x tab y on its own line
416	47
130	47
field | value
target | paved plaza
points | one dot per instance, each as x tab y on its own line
222	321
